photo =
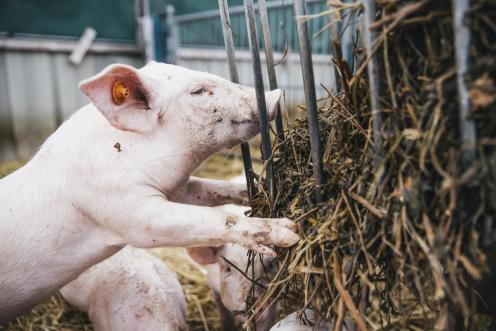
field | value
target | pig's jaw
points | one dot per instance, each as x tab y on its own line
242	132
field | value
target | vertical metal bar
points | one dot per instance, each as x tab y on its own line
310	97
172	35
144	29
374	80
462	43
323	45
334	37
233	73
271	69
347	37
260	93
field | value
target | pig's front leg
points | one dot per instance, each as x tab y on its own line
212	192
158	222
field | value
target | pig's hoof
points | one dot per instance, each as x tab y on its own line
288	224
283	232
284	237
255	233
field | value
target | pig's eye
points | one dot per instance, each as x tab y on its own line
200	91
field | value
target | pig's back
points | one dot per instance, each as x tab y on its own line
136	291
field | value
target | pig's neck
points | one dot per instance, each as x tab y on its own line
101	152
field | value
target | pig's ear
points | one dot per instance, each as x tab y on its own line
204	255
122	95
272	101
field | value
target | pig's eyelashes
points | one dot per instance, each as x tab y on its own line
201	91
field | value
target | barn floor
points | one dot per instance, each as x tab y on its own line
56	314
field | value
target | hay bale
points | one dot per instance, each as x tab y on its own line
398	244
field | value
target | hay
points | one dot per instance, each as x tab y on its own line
6	167
398	240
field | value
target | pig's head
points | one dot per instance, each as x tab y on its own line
199	111
234	286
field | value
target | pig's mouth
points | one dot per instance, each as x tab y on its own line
243	122
238	312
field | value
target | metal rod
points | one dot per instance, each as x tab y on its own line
145	30
65	46
271	68
173	35
462	43
260	94
234	10
310	97
347	35
233	74
374	80
334	38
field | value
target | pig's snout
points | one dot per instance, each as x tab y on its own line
272	101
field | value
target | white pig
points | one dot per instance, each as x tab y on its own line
230	287
293	323
131	290
118	172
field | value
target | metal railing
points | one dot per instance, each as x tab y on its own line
204	29
254	44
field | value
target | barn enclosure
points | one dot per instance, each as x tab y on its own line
390	174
